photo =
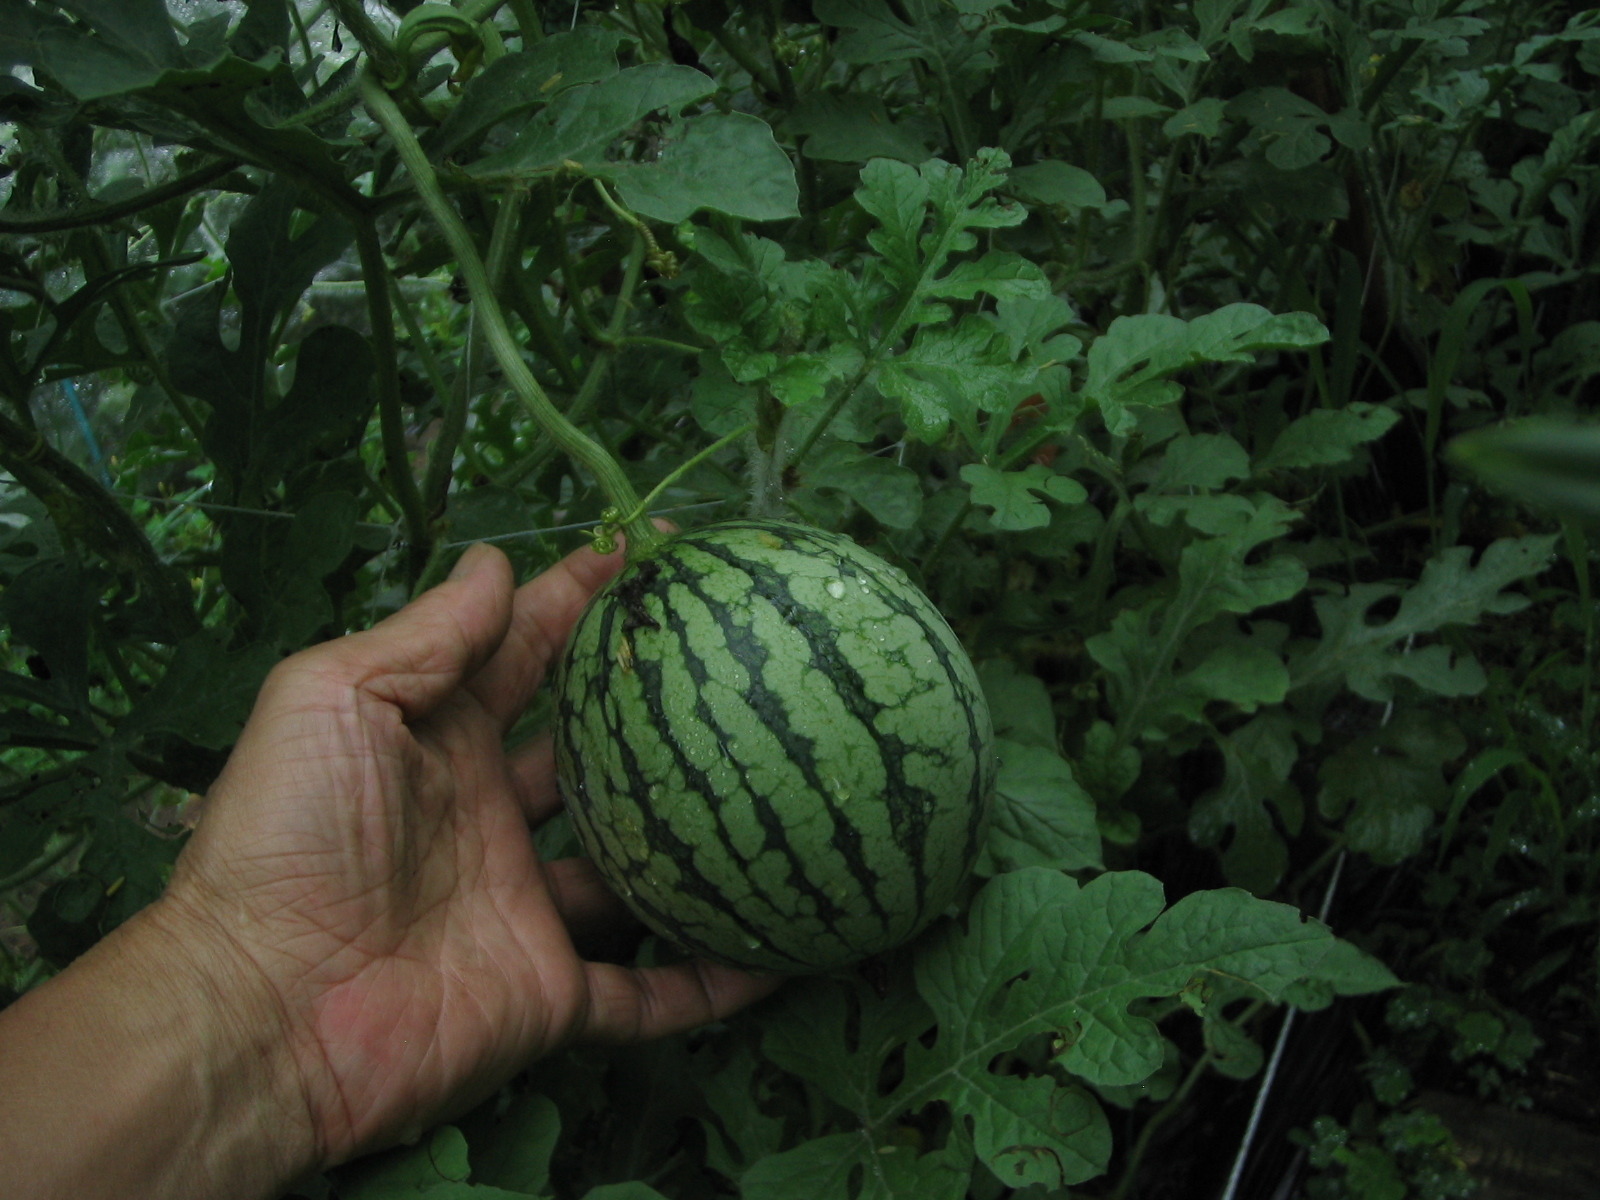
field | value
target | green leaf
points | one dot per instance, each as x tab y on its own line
263	29
1155	678
1123	108
836	1034
22	28
853	127
1130	363
719	402
1239	672
949	374
32	813
511	1149
878	34
439	1158
1347	970
206	693
1204	117
490	511
1019	704
327	407
726	162
220	100
1290	125
1257	760
48	605
1326	437
133	46
1109	768
801	380
1549	464
623	1191
581	123
1451	591
998	273
890	492
1032	324
739	1130
926	215
1039	954
140	25
1041	818
271	270
1059	185
525	80
1385	787
821	1169
1206	461
1012	496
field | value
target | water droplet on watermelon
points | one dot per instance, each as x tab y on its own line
836	588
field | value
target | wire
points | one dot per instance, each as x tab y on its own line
375	527
1267	1078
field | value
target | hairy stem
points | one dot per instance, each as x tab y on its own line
642	535
100	214
441	457
402	483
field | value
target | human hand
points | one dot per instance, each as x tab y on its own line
364	866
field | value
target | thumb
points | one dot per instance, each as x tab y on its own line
422	654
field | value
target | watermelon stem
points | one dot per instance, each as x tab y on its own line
582	449
683	469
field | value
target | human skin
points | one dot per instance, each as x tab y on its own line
358	941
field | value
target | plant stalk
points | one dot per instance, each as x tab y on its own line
642	535
402	483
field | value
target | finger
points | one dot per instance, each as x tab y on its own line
628	1004
533	777
421	654
597	920
543	613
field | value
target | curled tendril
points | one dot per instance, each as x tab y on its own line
663	262
605	534
466	42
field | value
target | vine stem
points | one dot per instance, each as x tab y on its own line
683	469
582	449
391	424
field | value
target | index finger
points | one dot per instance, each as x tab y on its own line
543	612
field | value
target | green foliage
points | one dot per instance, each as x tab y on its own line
1133	334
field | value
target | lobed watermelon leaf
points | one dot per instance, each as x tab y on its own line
1039	955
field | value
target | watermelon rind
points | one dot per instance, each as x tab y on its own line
773	747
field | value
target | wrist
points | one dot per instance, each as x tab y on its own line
154	1066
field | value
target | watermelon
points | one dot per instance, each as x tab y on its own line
773	747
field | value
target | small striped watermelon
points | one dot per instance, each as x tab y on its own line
773	747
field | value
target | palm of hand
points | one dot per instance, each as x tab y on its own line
367	851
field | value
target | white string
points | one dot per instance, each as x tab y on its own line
1260	1106
1288	1017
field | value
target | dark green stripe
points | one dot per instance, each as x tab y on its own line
909	806
771	710
906	600
650	674
591	707
659	834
